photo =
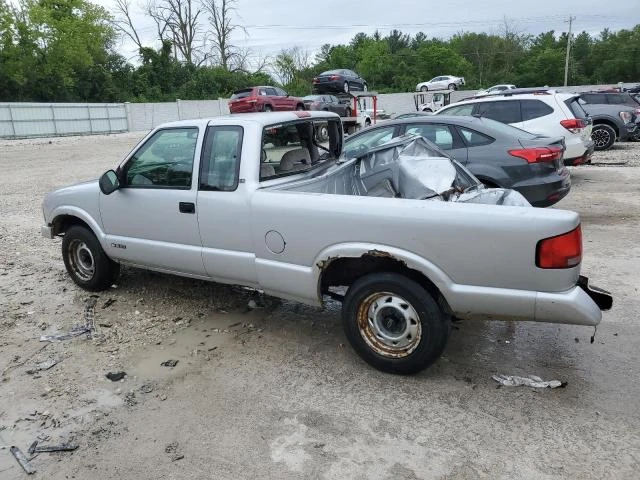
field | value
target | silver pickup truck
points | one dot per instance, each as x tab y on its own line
404	236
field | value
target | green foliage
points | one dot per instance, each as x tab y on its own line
62	50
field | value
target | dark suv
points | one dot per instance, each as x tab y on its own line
263	99
614	115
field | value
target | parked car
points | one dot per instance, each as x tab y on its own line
614	115
539	111
337	81
328	103
263	99
444	82
495	89
410	235
499	155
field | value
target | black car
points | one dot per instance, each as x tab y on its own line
339	81
328	103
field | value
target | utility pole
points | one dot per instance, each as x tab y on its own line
566	61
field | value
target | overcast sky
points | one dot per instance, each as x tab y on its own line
272	25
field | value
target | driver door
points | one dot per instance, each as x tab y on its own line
151	219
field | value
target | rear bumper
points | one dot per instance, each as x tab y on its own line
544	192
582	159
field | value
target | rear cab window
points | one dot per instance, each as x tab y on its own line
298	146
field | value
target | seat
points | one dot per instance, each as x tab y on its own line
293	160
266	171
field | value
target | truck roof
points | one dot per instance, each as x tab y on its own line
262	118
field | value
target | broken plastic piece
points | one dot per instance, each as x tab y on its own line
116	376
45	365
74	332
22	460
169	363
63	447
530	381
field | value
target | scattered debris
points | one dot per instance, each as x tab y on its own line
25	360
22	460
88	327
116	376
146	388
530	381
108	303
46	365
130	399
105	325
63	447
172	451
235	324
169	363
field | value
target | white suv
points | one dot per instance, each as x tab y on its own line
539	111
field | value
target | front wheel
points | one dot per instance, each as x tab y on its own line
347	112
300	107
86	262
268	108
394	324
453	86
345	87
364	87
603	137
424	89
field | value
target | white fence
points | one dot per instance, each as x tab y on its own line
145	116
19	120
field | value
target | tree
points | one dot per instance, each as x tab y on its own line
222	27
181	18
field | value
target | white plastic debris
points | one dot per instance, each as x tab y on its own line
530	381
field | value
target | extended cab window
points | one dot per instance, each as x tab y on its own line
221	158
293	147
164	161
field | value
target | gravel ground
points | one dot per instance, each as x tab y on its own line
274	391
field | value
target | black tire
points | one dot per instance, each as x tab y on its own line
347	112
268	108
453	86
603	136
367	123
428	110
424	89
300	106
411	313
345	87
86	262
365	88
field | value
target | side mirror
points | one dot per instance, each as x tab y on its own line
109	182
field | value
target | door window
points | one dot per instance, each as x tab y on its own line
164	161
271	91
280	92
221	158
370	139
459	110
438	134
504	111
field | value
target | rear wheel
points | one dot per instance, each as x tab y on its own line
347	112
452	86
603	136
393	323
367	123
364	87
86	262
300	107
268	108
424	88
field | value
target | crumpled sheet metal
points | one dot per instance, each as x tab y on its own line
530	381
494	196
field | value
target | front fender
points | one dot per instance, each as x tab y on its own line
70	210
356	250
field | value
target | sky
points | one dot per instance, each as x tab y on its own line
273	25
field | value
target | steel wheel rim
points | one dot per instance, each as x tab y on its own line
389	324
601	137
346	87
81	260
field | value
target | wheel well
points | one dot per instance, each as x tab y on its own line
607	122
344	271
63	222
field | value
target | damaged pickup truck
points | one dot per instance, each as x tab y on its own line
404	236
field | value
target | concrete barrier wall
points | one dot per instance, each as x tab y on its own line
21	120
145	116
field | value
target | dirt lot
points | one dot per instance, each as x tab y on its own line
275	392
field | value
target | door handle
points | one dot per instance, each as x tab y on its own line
187	207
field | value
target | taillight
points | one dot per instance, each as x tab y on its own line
626	117
574	125
562	251
538	154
